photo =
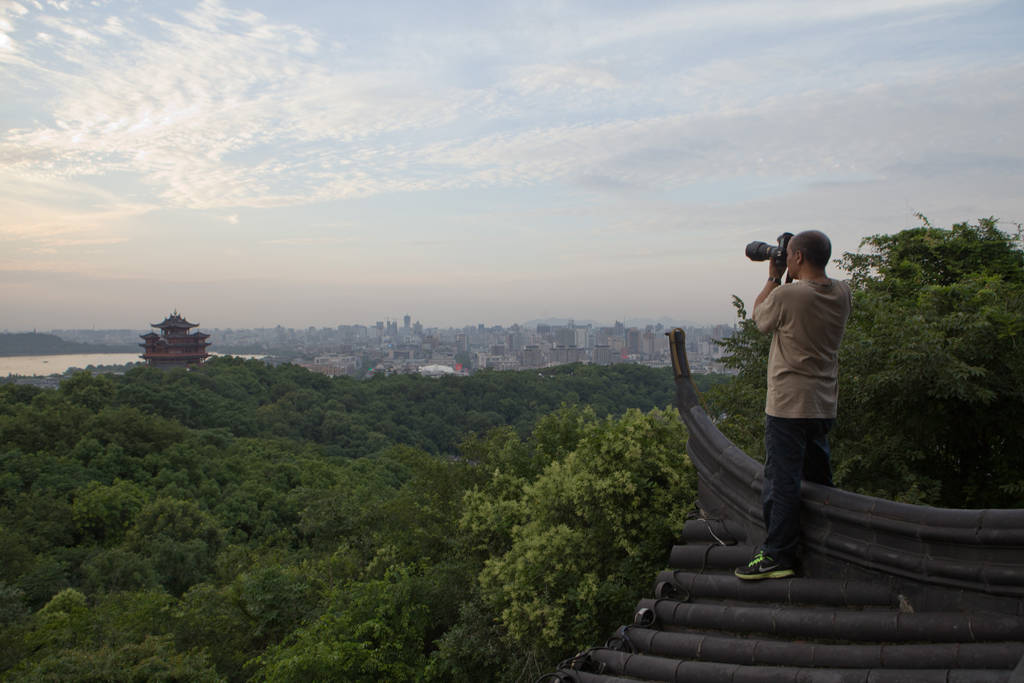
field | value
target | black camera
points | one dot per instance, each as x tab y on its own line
762	251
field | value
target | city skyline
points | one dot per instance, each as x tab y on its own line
306	164
389	347
414	322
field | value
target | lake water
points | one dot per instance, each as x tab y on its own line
56	365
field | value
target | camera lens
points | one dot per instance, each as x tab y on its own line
759	251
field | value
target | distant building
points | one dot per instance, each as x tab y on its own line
437	370
565	336
633	340
533	357
334	365
174	347
561	355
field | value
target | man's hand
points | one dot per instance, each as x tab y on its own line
776	269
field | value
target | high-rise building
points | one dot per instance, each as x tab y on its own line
649	342
633	340
565	336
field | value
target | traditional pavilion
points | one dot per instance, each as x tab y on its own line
174	347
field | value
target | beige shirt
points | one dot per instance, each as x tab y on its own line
807	321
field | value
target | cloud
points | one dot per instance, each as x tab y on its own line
702	19
113	26
306	241
184	108
548	78
58	216
7	10
219	108
72	30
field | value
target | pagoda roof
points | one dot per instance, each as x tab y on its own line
174	321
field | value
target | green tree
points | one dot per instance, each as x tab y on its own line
117	569
61	623
237	622
180	539
372	630
588	532
475	643
154	659
208	617
104	513
93	392
932	393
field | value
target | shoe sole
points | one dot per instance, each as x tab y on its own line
776	574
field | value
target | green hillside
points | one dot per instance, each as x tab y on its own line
37	344
241	522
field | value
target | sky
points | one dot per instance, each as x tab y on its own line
316	163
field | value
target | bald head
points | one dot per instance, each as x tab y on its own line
814	245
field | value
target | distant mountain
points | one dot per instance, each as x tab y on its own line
37	344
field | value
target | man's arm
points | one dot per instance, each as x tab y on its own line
768	288
775	273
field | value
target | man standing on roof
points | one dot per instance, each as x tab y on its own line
807	319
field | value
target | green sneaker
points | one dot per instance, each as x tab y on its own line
763	566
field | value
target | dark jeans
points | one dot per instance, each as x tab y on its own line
796	449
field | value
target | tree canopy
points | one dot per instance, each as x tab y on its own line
245	522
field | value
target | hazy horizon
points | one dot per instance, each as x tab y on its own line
627	321
310	164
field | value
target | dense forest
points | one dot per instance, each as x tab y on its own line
243	522
240	521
